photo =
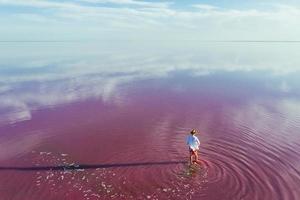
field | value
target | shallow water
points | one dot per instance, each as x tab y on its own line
97	121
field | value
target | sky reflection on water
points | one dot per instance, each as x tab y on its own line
37	75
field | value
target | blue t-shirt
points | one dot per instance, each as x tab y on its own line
193	142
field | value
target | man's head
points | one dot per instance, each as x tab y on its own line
193	131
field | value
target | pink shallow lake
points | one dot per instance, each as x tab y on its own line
120	134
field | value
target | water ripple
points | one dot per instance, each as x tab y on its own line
251	167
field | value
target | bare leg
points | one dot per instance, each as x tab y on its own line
191	158
197	158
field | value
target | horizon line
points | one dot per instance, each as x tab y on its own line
220	41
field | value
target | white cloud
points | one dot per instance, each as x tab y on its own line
147	20
284	87
205	6
42	4
4	88
131	2
13	110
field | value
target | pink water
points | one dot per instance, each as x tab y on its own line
130	144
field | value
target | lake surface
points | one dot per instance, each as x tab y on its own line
109	120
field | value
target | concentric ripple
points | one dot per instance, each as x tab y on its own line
250	167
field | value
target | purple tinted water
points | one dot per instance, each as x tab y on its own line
122	135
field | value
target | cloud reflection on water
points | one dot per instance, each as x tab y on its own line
34	76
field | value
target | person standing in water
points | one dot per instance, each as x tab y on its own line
193	143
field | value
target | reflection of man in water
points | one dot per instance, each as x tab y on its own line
194	144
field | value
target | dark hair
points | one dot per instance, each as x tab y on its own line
193	131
